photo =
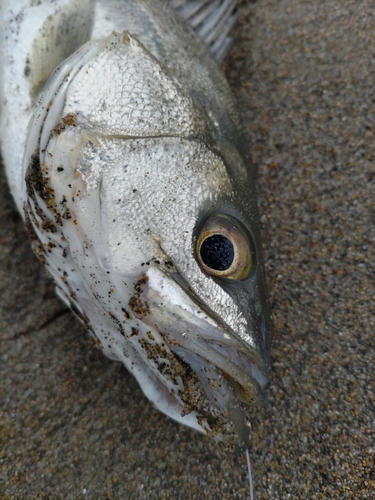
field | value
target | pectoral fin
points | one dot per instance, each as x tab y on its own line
60	35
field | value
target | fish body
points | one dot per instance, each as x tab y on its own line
124	153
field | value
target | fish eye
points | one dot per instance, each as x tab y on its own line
223	248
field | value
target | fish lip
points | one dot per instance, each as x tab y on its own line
240	364
264	365
247	383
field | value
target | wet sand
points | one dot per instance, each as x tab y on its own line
75	425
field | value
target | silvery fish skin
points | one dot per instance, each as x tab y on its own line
124	164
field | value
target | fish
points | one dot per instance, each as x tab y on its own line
124	153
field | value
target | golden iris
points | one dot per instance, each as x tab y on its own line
223	248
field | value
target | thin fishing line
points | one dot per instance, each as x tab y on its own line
250	476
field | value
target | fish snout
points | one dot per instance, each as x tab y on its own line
222	374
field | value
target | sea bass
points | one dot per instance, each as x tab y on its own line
124	154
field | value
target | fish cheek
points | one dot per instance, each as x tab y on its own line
151	190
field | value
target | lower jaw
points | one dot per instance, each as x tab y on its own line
213	395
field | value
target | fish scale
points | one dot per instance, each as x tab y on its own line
123	149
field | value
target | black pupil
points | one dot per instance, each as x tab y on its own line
217	252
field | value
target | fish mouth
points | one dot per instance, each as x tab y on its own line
230	372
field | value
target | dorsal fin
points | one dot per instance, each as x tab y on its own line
212	20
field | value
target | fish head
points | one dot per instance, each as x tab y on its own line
136	215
